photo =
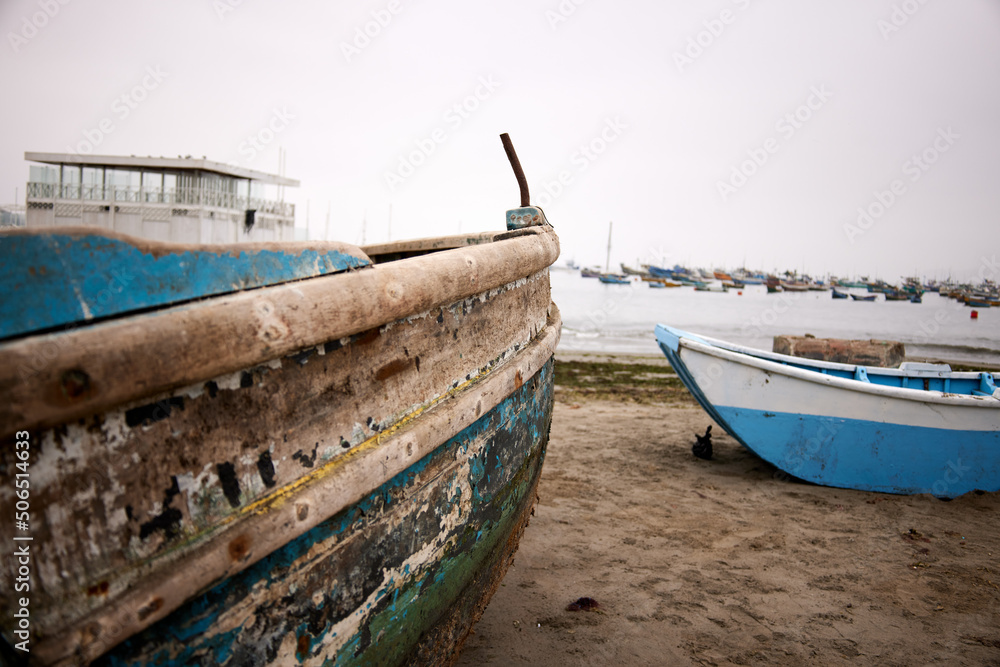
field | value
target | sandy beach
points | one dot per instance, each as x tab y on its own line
727	561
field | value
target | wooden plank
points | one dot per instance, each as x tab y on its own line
425	245
48	379
66	275
209	450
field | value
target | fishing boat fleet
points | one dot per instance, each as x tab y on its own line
982	295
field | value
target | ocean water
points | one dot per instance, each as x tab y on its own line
620	319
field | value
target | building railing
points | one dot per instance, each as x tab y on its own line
184	196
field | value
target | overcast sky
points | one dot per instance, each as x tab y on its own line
853	137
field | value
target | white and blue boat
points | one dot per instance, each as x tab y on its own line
921	428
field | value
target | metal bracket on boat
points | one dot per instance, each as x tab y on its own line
527	215
861	374
986	386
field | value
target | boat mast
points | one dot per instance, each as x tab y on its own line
607	260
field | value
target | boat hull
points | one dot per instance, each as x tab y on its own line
335	470
380	582
842	432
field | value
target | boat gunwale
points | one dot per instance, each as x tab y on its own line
792	368
820	363
429	244
268	322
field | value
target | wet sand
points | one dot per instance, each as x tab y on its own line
728	562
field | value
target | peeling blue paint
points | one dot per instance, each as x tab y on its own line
53	280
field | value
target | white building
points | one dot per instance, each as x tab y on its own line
183	200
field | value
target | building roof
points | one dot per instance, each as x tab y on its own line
160	163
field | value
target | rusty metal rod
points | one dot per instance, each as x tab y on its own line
522	182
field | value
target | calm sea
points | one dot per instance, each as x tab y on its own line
620	319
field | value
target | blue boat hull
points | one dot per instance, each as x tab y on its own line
833	424
890	458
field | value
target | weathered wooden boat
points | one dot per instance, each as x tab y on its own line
920	428
244	455
864	297
748	278
979	301
658	272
